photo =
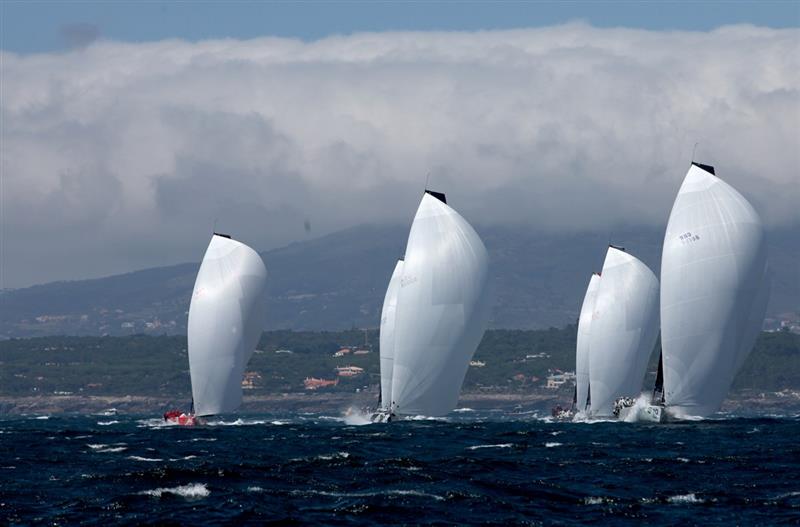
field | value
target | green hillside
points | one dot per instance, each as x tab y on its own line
513	361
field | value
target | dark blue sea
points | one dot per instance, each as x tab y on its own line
473	468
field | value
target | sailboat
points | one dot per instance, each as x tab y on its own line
581	400
225	322
441	311
624	330
714	292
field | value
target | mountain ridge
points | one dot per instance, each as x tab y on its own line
337	281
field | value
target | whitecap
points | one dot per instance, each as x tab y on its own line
155	422
596	500
338	455
237	422
787	495
389	492
685	498
42	417
552	444
150	459
478	447
96	446
255	489
463	410
107	423
190	491
557	432
113	449
426	418
682	459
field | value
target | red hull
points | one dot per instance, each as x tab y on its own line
180	418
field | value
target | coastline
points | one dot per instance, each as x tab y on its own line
748	401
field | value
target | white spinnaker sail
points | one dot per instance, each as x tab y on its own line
582	356
714	291
226	317
442	309
624	330
387	334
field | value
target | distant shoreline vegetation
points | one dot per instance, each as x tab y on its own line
507	361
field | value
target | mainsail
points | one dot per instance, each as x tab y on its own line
387	334
442	309
582	356
714	291
624	330
225	321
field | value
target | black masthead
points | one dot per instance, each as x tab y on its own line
437	195
707	168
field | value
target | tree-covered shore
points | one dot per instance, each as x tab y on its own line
514	362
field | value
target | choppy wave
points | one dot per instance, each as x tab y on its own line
685	498
479	447
370	494
479	467
147	459
190	491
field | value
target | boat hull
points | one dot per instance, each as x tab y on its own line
181	418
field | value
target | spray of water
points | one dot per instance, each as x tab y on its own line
356	417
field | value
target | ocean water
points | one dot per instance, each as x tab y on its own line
472	468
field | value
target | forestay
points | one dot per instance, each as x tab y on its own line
226	316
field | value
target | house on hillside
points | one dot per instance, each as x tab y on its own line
349	371
312	383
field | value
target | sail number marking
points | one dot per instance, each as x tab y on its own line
688	237
407	280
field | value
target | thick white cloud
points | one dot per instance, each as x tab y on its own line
117	155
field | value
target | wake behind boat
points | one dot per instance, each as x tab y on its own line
225	320
435	312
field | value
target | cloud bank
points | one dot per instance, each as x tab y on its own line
117	155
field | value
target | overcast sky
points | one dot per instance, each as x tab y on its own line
121	155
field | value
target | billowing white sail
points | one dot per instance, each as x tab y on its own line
582	357
714	291
442	309
225	321
387	334
624	330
